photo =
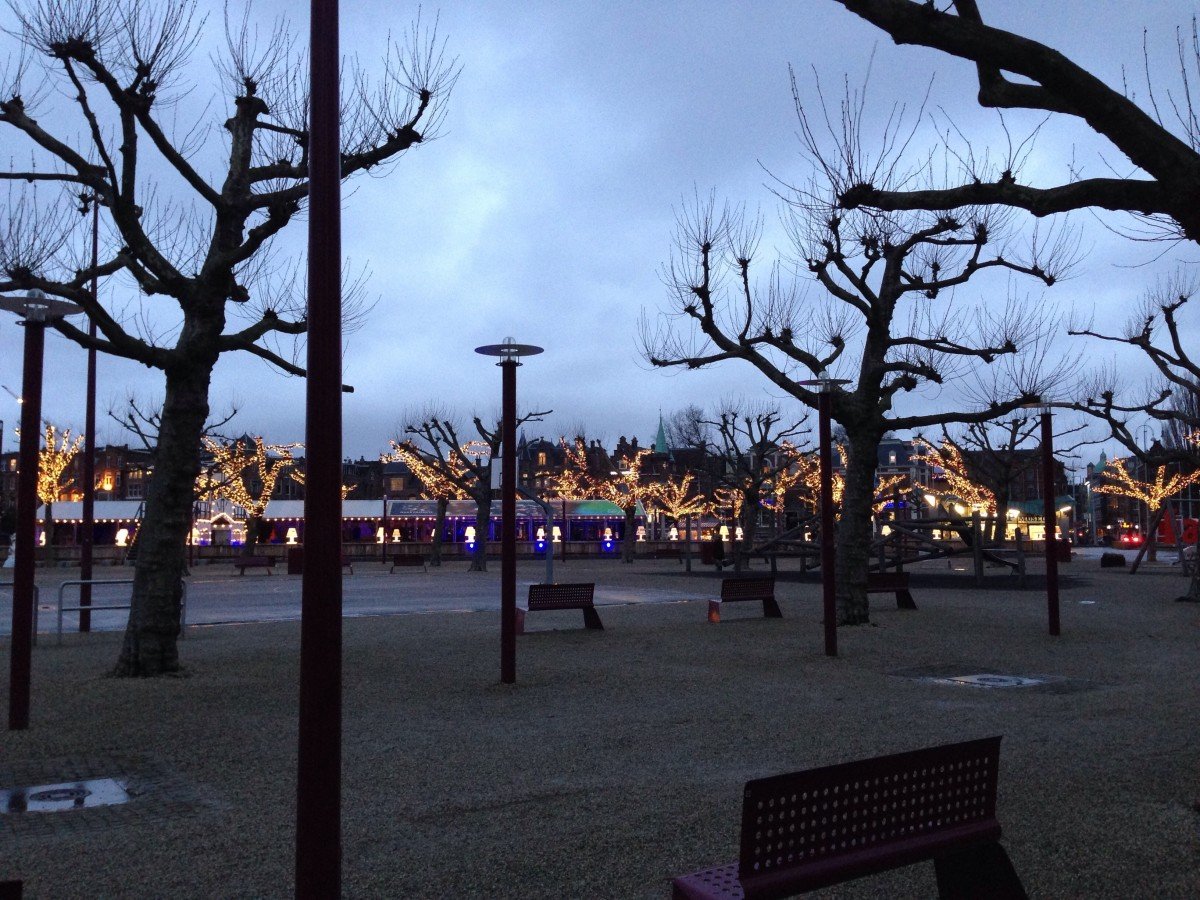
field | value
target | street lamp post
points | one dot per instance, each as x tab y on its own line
318	863
37	309
510	353
89	445
825	386
1049	515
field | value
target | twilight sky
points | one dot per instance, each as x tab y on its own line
546	209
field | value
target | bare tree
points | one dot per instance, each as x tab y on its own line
191	213
888	311
1160	138
465	462
686	428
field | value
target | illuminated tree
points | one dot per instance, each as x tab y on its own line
626	487
956	471
677	500
752	446
1120	482
573	482
53	459
249	478
435	485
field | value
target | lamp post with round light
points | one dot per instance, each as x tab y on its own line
36	309
825	386
510	353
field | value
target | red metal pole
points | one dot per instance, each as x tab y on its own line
23	610
319	771
89	446
508	525
1049	513
828	584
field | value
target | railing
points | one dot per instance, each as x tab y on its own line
93	581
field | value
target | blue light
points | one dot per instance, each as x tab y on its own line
540	546
607	546
471	546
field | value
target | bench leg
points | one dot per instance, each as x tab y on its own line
904	599
591	619
771	608
520	620
978	873
714	611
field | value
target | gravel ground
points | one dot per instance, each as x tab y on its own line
617	759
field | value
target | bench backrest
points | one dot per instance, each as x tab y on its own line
254	561
747	588
560	596
861	817
408	560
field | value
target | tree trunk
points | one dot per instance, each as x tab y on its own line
854	532
150	645
628	537
483	518
48	534
255	527
439	525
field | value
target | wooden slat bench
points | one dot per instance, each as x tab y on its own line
243	563
408	561
808	830
892	583
749	588
561	596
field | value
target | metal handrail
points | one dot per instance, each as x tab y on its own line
94	581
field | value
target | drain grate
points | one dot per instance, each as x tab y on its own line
987	680
43	798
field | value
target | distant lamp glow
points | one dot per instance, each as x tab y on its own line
1012	513
122	537
556	534
608	535
396	535
931	500
469	534
673	534
1065	509
292	535
641	532
541	534
379	535
42	539
885	530
960	509
738	533
724	532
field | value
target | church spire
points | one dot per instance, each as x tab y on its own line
660	439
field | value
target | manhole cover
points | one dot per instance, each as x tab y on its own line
991	681
60	797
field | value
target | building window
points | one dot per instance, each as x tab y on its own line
892	457
541	458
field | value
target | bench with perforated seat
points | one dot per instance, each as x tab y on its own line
562	596
734	590
812	829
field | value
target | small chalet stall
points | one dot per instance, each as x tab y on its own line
116	526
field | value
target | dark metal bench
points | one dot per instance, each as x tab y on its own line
254	562
561	596
408	561
750	588
668	553
808	830
889	583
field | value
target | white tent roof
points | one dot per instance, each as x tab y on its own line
105	510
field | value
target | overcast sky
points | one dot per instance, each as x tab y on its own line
546	209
